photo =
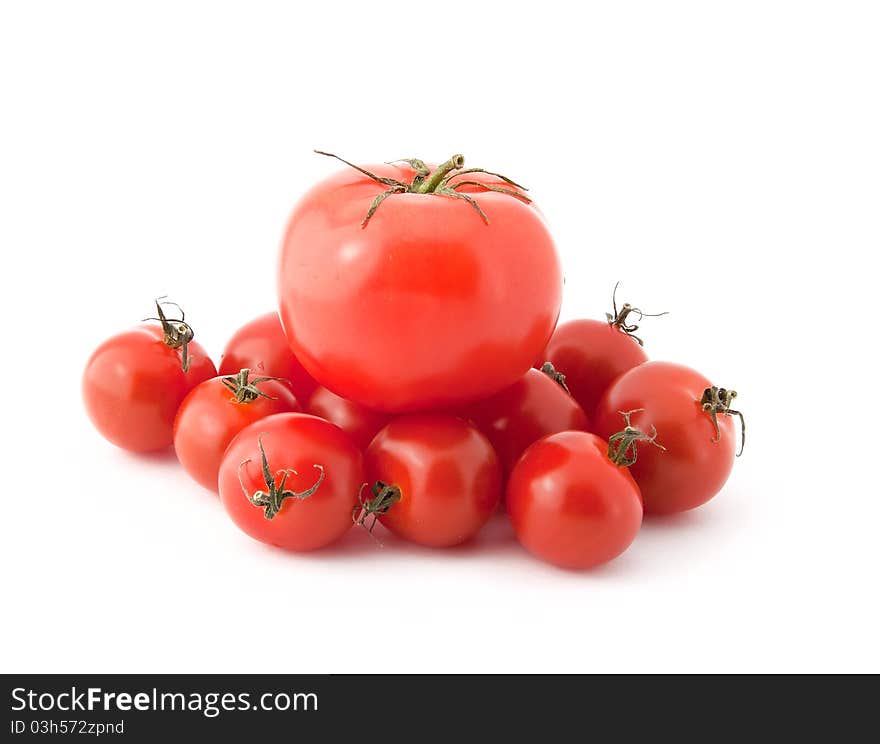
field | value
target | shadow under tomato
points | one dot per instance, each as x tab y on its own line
496	537
354	543
157	457
692	519
495	542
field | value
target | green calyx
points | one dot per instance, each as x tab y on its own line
439	181
383	497
622	446
554	374
245	390
716	401
178	333
272	499
620	317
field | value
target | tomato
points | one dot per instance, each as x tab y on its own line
570	505
261	347
436	479
591	354
426	304
215	411
135	381
697	458
360	423
534	406
292	480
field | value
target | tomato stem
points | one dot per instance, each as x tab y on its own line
383	498
273	499
619	319
622	449
431	182
715	401
438	182
548	369
178	333
244	390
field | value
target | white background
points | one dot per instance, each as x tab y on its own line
721	159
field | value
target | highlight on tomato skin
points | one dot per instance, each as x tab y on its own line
447	474
261	346
533	407
570	505
697	460
427	305
134	382
314	472
216	410
360	423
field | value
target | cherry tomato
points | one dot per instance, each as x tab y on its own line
697	458
591	354
261	347
533	407
360	423
215	411
426	304
135	381
292	480
436	479
570	505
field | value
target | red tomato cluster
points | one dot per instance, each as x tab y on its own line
414	377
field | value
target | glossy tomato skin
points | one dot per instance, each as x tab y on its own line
360	423
533	407
693	467
591	354
448	475
570	505
209	418
298	441
134	383
426	306
262	347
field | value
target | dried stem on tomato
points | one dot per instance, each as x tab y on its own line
619	319
717	401
383	497
178	333
622	446
272	499
439	182
548	369
245	390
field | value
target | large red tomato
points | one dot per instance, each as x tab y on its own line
447	293
694	424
